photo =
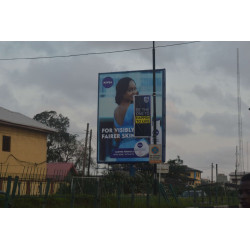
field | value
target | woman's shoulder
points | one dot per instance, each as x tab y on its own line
131	106
119	113
117	110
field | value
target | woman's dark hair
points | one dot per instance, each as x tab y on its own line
121	88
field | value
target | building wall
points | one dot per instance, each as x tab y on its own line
236	179
28	147
221	178
195	178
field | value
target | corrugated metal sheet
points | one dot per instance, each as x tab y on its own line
14	118
59	170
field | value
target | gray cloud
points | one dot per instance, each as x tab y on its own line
221	124
6	97
177	127
201	119
214	97
178	124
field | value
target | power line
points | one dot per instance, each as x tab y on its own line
22	162
93	53
175	44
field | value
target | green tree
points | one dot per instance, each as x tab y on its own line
61	145
177	171
79	156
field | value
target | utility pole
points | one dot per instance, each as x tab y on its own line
240	153
90	137
212	173
154	115
247	156
236	166
216	172
154	97
85	150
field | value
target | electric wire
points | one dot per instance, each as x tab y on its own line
94	53
22	162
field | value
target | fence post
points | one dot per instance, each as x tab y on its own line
97	196
40	189
164	193
159	195
28	187
216	196
119	195
210	198
147	199
234	197
14	189
46	193
173	192
228	197
202	196
73	194
19	188
133	196
7	195
221	196
194	195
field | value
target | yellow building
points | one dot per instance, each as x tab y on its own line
23	145
194	176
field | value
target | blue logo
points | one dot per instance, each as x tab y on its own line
146	99
107	82
139	145
156	132
155	150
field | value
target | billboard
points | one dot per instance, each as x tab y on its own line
116	140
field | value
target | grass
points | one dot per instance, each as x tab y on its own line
114	201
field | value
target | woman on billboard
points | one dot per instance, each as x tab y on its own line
124	112
124	121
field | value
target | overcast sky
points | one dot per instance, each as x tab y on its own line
201	90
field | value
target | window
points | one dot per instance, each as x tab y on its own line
6	143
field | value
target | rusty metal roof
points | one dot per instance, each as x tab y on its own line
59	170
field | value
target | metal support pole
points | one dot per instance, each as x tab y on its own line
85	150
160	173
90	137
247	156
154	117
154	97
236	165
212	173
216	172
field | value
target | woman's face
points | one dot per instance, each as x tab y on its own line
131	91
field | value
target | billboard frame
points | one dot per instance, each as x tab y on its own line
163	120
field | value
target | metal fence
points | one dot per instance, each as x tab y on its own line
101	192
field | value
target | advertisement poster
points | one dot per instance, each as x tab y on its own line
116	141
142	115
155	154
